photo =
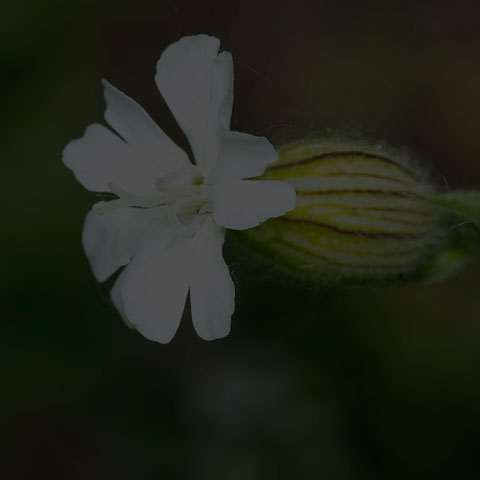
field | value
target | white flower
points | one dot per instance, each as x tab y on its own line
169	221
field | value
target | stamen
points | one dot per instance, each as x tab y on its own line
174	200
173	212
177	175
206	208
179	191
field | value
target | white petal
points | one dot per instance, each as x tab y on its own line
155	151
98	239
212	294
141	236
116	296
242	204
154	291
112	236
197	85
144	232
98	158
242	156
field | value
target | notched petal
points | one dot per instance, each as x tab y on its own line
155	151
154	291
97	158
99	239
197	85
212	293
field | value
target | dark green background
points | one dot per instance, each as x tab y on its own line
334	384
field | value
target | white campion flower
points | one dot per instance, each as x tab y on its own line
169	221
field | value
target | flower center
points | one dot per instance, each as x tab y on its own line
180	195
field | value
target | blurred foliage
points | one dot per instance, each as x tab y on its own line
312	383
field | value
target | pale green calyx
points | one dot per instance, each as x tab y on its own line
361	213
463	203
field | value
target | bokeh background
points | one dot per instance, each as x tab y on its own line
377	383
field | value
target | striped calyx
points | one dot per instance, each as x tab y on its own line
360	213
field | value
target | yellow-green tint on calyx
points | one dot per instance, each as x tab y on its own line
359	213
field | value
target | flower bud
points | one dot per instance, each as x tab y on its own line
360	214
